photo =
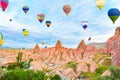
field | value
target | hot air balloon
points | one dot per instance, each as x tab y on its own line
40	17
42	43
45	46
48	23
25	32
4	4
89	38
113	14
84	24
67	8
25	9
1	36
10	20
1	39
100	4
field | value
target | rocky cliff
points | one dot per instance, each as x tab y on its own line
113	47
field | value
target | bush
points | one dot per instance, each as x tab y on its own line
21	74
115	74
56	77
102	69
99	56
3	72
92	76
19	63
72	65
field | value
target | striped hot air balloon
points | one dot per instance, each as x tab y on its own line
113	14
25	9
40	17
67	9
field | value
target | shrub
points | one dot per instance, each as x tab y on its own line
102	69
21	74
99	56
19	63
92	76
72	65
3	72
56	77
115	74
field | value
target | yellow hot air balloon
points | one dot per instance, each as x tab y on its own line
43	43
1	42
25	32
1	39
100	4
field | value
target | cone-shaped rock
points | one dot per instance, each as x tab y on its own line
36	49
117	31
81	45
58	44
113	47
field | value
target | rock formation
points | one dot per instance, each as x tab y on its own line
36	49
113	47
113	43
58	44
82	45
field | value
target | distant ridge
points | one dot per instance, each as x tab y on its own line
98	45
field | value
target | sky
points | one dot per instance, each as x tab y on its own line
67	29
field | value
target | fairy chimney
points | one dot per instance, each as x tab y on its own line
36	49
117	31
58	44
82	45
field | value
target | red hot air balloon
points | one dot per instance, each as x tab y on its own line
4	4
67	8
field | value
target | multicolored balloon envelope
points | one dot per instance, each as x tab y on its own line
84	24
113	14
40	17
48	23
25	9
100	4
67	9
4	4
1	39
25	32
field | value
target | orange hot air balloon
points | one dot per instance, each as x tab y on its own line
67	8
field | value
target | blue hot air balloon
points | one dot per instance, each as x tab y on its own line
113	14
84	24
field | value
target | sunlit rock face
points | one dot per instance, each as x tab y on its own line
113	47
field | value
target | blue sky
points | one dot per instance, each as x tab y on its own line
68	29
